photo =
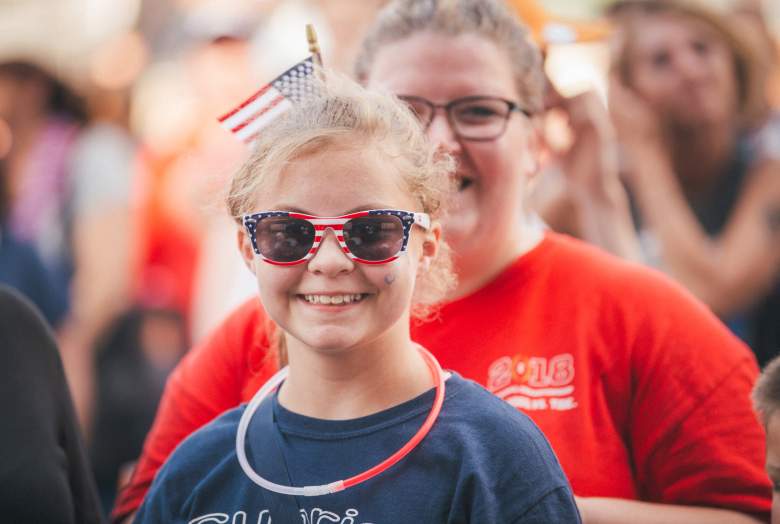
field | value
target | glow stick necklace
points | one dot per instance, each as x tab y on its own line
339	485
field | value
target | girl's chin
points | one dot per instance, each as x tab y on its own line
330	341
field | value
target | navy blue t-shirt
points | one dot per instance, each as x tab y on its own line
482	462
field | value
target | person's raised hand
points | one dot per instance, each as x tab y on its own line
635	122
589	159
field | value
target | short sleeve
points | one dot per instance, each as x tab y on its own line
557	506
714	457
514	474
694	437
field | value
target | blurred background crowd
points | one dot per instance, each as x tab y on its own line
661	139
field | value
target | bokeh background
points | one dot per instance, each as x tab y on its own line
127	248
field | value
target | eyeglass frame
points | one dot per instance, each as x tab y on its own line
511	105
335	224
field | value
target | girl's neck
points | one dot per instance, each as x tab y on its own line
700	155
356	382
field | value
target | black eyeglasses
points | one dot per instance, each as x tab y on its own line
479	118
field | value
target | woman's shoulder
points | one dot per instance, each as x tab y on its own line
584	273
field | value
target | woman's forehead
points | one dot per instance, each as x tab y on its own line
441	67
665	29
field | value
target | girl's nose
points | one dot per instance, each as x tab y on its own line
330	259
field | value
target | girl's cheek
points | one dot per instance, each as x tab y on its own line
389	278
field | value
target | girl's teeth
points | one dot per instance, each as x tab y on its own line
332	299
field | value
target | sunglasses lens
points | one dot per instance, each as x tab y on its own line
284	239
374	238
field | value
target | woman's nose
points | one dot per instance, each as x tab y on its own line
691	65
442	134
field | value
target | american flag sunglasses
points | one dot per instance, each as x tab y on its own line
377	236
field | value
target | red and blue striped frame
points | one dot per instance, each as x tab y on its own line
336	224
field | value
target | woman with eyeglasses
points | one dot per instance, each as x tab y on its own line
643	393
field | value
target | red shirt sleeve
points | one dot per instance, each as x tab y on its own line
209	380
695	438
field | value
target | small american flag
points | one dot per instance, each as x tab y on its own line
248	119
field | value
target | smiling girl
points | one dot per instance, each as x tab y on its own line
338	210
620	368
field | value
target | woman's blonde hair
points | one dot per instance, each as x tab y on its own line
627	15
341	114
490	19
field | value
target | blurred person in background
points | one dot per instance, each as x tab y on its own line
219	71
68	179
133	340
43	116
103	167
687	99
44	472
21	266
691	134
765	138
72	183
132	361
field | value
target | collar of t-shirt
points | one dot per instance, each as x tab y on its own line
294	424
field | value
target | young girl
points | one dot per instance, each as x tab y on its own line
338	206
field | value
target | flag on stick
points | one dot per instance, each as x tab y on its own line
253	114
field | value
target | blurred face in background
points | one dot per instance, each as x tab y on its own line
485	216
683	68
22	98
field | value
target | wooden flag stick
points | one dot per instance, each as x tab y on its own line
314	45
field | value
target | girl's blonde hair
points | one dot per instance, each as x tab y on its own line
340	114
490	19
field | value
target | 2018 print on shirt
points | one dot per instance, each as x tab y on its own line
534	383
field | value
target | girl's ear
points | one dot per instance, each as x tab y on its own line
246	249
430	245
